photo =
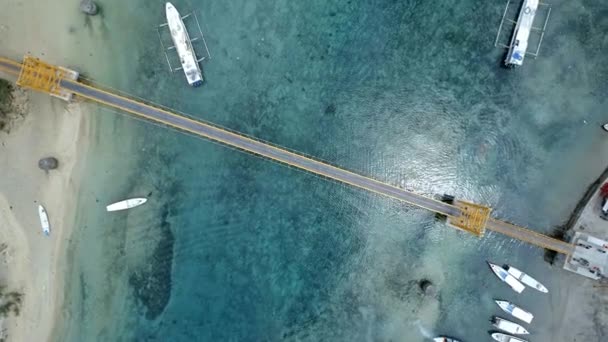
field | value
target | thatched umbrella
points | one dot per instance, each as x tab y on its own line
48	163
88	7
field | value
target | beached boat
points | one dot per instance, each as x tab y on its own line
508	326
500	337
183	46
126	204
444	339
503	275
515	311
44	220
526	279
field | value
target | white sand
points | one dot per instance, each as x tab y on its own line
34	264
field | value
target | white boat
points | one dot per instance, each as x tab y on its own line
44	220
515	311
519	40
444	339
500	337
126	204
605	127
508	326
526	279
183	46
503	275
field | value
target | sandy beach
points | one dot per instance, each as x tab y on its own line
33	263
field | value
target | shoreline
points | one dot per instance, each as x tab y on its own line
582	203
34	262
564	231
581	316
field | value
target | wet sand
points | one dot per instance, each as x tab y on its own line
33	263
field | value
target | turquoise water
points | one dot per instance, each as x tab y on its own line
232	247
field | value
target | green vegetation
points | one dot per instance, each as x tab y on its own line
6	99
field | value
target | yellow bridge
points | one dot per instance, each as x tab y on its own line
60	82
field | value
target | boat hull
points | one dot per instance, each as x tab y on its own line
503	275
44	220
183	46
500	337
126	204
519	40
508	326
515	311
526	279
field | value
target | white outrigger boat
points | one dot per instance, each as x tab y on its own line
444	339
508	326
503	275
44	220
183	46
500	337
526	279
126	204
515	311
519	40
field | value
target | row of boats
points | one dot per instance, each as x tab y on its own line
120	205
518	281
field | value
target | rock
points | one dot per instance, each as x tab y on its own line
427	287
48	163
88	7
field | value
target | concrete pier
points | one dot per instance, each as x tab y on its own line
588	233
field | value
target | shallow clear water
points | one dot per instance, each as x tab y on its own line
234	247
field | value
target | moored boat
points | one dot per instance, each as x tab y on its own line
183	46
503	275
444	339
515	311
521	33
605	127
126	204
508	326
44	220
500	337
526	279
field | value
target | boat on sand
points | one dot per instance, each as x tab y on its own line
503	275
500	337
508	326
526	279
126	204
515	311
44	220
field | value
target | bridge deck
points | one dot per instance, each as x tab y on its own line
242	142
530	236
